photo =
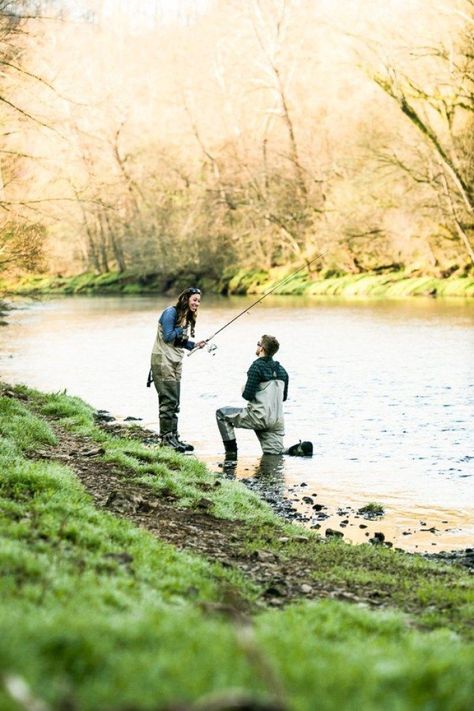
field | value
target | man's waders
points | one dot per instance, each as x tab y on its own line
264	415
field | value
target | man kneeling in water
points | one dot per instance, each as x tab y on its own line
266	389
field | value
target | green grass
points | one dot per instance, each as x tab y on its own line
98	614
372	508
397	284
364	661
390	285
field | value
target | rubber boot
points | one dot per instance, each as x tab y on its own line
166	425
230	449
302	449
187	446
169	440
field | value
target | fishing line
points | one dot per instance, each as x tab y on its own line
282	282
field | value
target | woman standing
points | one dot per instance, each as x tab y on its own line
176	325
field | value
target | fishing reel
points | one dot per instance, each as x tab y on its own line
210	348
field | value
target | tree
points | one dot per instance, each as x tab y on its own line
22	245
21	238
441	109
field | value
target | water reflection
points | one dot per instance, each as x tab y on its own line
270	470
269	482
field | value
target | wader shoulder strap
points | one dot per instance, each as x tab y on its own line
149	380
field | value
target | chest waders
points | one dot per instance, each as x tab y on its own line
166	367
264	415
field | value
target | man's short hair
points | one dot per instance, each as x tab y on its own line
270	345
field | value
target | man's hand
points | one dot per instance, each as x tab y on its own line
200	344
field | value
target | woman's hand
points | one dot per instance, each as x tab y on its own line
200	344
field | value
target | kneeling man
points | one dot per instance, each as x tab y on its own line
265	390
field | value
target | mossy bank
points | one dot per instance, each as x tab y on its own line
135	579
388	285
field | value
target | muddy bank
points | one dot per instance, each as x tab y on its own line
281	580
304	506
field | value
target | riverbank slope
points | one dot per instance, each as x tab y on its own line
133	578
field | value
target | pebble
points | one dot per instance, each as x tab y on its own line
378	538
205	504
263	556
276	602
332	533
104	416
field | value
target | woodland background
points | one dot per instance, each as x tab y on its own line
237	134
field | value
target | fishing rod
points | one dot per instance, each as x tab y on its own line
280	283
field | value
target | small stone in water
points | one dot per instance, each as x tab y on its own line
332	533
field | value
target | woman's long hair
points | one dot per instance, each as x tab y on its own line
183	315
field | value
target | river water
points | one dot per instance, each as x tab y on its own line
384	390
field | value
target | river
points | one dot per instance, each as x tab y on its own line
384	390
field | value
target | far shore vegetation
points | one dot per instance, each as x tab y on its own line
389	284
107	606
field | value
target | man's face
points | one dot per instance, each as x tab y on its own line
259	350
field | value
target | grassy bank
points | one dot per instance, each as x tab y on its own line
388	285
101	611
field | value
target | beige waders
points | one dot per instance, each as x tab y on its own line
264	415
166	367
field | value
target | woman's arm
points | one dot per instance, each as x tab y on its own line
176	334
171	331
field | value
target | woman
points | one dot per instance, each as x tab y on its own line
175	326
